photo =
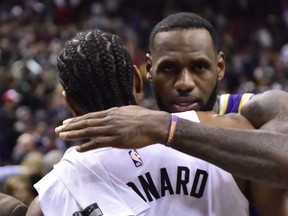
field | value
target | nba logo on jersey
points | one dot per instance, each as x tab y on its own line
135	157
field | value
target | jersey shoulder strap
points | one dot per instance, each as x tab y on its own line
233	103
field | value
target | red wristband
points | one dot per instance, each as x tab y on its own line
172	129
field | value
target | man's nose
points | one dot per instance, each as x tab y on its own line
185	82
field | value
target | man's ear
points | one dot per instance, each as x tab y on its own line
74	108
138	80
148	67
221	65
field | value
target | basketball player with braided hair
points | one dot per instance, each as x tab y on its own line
96	73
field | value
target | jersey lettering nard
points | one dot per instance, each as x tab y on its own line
167	188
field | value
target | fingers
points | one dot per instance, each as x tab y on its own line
88	132
92	115
80	124
84	126
85	121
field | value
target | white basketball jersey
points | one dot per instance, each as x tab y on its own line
168	181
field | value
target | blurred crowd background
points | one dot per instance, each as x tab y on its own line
253	34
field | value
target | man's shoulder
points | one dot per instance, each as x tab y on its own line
270	101
268	106
10	206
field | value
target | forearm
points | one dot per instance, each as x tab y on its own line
262	156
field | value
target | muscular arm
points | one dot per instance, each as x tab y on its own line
257	155
251	154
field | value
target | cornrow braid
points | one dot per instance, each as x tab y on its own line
108	62
96	71
122	64
87	53
77	74
78	58
98	75
67	79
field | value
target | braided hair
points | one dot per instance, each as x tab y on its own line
96	71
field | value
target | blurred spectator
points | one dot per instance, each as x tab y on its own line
284	55
24	121
31	166
50	159
8	136
25	144
20	187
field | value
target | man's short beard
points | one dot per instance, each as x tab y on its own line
204	107
212	100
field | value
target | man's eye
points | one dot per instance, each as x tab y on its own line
169	68
200	67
